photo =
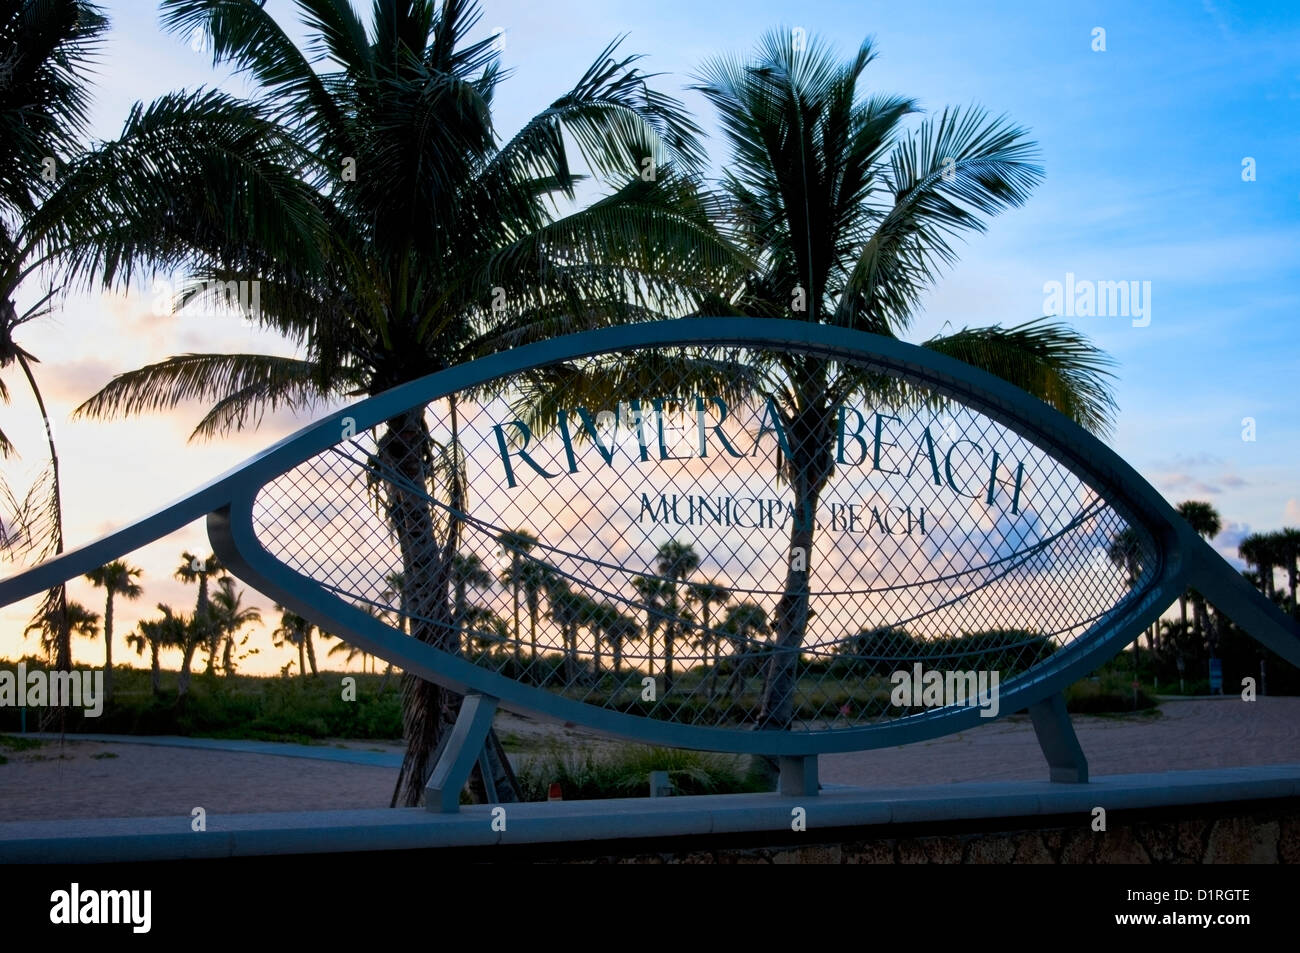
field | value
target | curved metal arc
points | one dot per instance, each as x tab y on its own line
1063	440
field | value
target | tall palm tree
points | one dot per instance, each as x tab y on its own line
46	49
617	629
848	218
1125	552
853	218
1260	550
467	570
535	578
515	546
79	619
653	594
171	631
194	569
674	561
744	624
570	611
1205	520
1288	549
395	235
707	595
483	629
116	579
229	615
294	630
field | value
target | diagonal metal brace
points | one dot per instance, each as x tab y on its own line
1060	744
460	753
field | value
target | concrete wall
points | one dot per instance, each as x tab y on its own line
1262	832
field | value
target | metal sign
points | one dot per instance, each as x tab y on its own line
760	536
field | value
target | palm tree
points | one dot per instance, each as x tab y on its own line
653	594
1260	550
467	570
293	630
674	561
707	595
79	619
349	651
568	610
744	624
171	631
1205	520
853	218
534	578
46	47
229	615
1288	549
1125	552
616	628
394	235
193	569
483	628
116	579
515	546
848	219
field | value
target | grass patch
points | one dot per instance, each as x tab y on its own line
259	708
102	755
19	743
585	775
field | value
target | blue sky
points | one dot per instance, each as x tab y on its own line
1142	144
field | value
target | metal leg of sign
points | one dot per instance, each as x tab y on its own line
1056	737
799	776
463	748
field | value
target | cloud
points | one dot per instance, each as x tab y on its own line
75	381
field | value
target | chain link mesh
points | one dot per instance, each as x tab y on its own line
611	563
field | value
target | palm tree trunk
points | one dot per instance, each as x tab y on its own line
155	669
204	621
63	636
670	637
227	665
311	651
533	609
108	644
183	680
302	660
428	710
811	464
514	593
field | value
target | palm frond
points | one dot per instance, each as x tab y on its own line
240	385
1050	360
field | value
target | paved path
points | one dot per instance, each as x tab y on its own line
153	777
